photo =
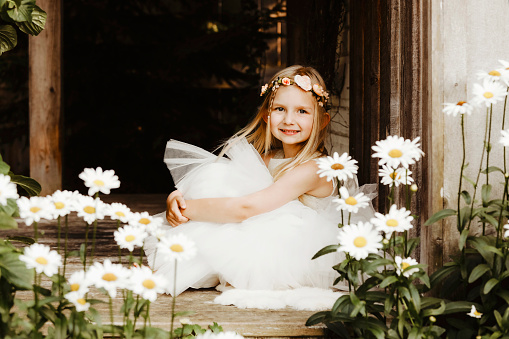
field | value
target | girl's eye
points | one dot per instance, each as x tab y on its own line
279	109
302	111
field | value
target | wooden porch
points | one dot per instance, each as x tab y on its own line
253	323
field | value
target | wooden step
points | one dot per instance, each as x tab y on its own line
253	323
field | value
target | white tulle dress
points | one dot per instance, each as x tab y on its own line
271	251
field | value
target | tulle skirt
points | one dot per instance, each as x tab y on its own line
271	251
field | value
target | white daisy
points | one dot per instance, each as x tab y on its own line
474	313
79	282
395	151
397	220
505	71
130	236
99	181
351	203
359	240
489	93
89	209
460	107
147	284
506	233
504	139
33	209
79	301
8	189
493	75
144	219
177	247
221	335
403	264
117	211
62	202
157	231
42	258
108	276
396	176
341	167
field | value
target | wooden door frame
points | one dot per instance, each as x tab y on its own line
391	93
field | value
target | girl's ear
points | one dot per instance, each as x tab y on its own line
326	120
266	119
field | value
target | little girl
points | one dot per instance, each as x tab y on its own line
259	214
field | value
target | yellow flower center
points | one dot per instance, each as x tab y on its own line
337	167
395	153
35	209
461	103
41	260
391	223
75	287
404	265
177	248
109	277
81	301
351	201
488	95
59	205
130	238
120	214
89	209
494	73
393	175
99	182
148	284
360	242
477	313
144	221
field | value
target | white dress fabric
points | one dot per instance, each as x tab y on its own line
271	251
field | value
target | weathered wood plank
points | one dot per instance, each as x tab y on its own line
45	100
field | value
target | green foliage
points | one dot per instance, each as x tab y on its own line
24	15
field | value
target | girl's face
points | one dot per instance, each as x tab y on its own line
291	118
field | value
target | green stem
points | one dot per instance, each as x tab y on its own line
478	172
66	242
147	314
173	299
461	169
36	232
111	315
36	305
503	127
86	247
92	255
500	228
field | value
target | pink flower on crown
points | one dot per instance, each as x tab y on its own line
286	81
318	90
303	81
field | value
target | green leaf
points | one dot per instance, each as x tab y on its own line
24	240
458	306
8	40
15	271
38	22
478	272
439	216
7	222
317	318
485	193
466	197
490	284
388	280
463	238
31	186
416	298
492	169
22	11
326	250
434	311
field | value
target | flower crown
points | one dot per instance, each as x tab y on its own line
304	82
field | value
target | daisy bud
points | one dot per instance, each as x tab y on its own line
413	188
432	319
385	241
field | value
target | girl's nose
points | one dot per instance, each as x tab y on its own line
288	119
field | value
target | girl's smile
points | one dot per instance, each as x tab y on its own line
291	118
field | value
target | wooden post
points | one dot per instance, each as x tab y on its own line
45	100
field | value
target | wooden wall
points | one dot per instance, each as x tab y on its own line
390	95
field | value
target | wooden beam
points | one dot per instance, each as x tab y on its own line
45	100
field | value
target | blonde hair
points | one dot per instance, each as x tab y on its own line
257	132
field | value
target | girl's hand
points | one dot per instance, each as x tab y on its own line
174	204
